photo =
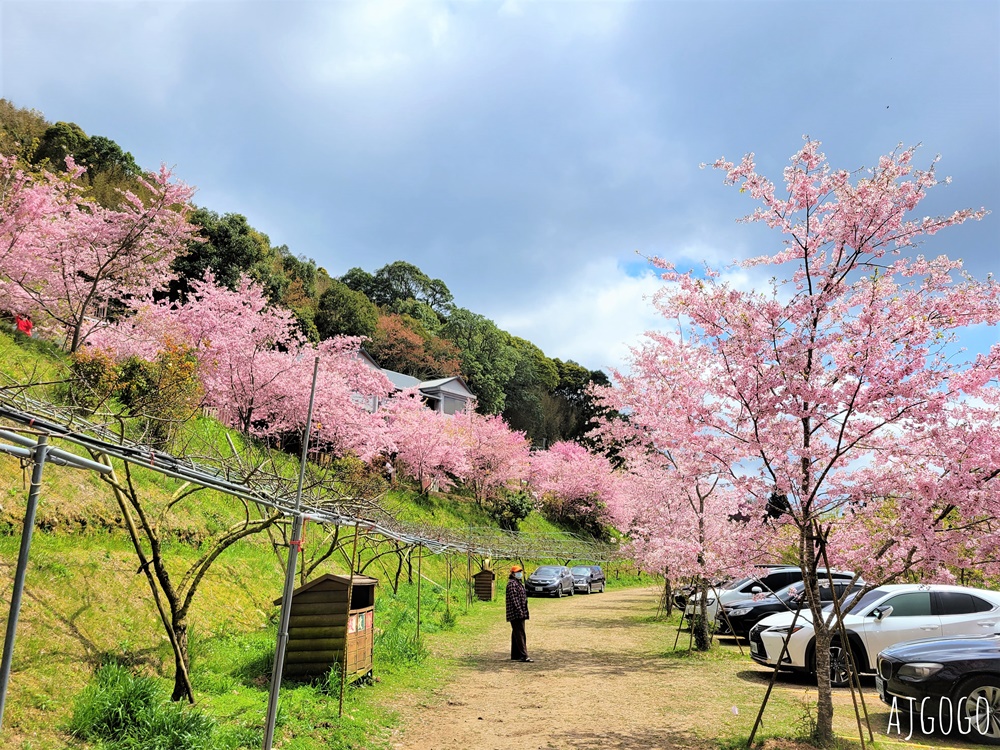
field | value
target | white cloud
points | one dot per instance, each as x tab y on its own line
594	319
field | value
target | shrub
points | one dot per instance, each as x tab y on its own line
508	508
162	393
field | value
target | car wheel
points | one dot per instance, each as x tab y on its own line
558	593
840	665
572	590
978	707
590	588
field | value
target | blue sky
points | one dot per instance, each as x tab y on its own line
526	153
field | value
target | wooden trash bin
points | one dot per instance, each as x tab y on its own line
323	630
485	585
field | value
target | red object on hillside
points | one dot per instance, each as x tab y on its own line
23	324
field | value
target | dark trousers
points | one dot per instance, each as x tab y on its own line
518	640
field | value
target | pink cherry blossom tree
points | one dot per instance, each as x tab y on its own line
348	394
74	254
837	385
428	445
256	368
576	486
497	457
245	347
31	209
681	506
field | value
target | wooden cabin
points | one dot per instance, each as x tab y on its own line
323	630
485	585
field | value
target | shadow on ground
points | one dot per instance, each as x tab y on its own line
639	739
581	662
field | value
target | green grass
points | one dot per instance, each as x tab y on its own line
122	710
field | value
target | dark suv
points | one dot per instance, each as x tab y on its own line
737	618
589	578
552	580
770	580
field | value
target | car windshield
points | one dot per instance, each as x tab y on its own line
581	571
547	570
855	605
736	584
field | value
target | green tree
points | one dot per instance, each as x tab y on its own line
59	141
535	376
488	356
359	280
21	130
344	311
420	312
102	154
567	409
399	282
230	247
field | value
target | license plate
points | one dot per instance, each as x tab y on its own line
537	588
880	687
754	648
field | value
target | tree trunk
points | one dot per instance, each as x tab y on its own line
399	569
75	339
182	661
700	624
823	734
824	702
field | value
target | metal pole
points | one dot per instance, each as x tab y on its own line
39	452
350	593
468	580
286	600
420	559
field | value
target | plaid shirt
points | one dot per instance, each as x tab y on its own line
517	600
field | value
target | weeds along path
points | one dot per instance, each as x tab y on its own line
598	681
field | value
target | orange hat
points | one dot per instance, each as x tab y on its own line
515	568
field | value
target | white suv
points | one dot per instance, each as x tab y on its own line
884	616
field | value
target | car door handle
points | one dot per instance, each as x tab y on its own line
928	627
989	624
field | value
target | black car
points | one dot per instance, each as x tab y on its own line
550	580
737	618
944	684
589	578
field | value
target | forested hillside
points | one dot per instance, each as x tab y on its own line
411	322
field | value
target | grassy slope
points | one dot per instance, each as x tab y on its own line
85	603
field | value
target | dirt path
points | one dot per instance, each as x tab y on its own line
604	679
595	683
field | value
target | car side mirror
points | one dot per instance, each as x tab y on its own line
882	612
756	590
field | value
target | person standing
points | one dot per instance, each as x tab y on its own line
23	324
517	613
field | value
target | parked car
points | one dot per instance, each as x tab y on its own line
737	618
552	580
950	680
589	578
883	617
773	579
682	594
